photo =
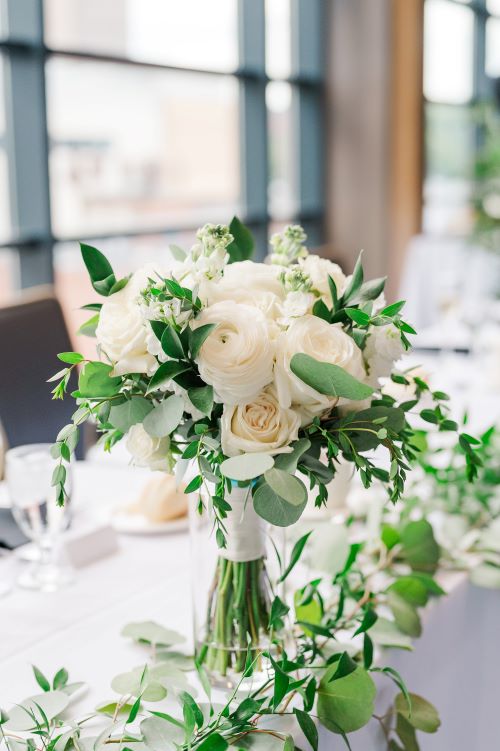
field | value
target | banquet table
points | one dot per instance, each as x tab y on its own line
455	664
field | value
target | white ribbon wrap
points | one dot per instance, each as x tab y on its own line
246	531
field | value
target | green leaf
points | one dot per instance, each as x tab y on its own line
195	483
312	612
49	705
161	734
295	555
288	462
328	379
369	618
165	417
389	536
278	611
385	633
70	357
60	679
92	306
188	700
99	269
321	311
131	412
197	338
171	344
406	734
165	373
134	710
393	309
308	727
423	715
149	632
120	284
405	615
177	252
410	589
41	679
358	316
287	486
202	397
274	508
372	289
241	249
89	327
96	381
419	547
356	280
246	466
213	742
346	704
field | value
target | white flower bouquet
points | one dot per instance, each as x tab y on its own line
265	376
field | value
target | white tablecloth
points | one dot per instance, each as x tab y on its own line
455	665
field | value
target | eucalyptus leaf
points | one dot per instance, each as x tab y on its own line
131	412
130	683
149	632
275	509
346	704
419	547
52	703
246	466
165	417
288	461
423	716
328	379
405	615
161	735
287	486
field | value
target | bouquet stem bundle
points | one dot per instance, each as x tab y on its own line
237	622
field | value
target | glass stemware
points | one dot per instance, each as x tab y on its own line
28	471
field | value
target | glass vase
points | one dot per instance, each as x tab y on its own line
233	591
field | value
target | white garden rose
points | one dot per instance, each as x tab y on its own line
318	270
237	356
122	331
249	283
315	337
259	425
383	348
147	451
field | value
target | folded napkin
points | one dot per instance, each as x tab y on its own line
161	500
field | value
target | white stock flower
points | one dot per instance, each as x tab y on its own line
146	451
383	348
259	425
295	305
237	356
315	337
288	246
250	283
318	270
208	256
122	329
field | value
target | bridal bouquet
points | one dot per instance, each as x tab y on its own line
264	376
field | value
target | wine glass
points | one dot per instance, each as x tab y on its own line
28	471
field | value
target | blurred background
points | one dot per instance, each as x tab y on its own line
374	123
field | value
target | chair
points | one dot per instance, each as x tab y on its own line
32	332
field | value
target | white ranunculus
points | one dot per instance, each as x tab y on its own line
237	356
324	342
249	283
146	451
318	270
260	425
383	348
122	329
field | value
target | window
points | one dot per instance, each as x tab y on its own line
129	123
461	56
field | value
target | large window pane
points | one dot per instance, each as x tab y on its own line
136	148
187	33
278	38
448	52
280	130
5	223
493	47
449	152
9	274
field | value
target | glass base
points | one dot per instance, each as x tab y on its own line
48	578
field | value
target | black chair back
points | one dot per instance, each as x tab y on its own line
31	335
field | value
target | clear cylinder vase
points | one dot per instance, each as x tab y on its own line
233	591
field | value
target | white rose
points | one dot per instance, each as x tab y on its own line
147	451
324	342
383	348
249	283
237	356
259	425
318	270
122	330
